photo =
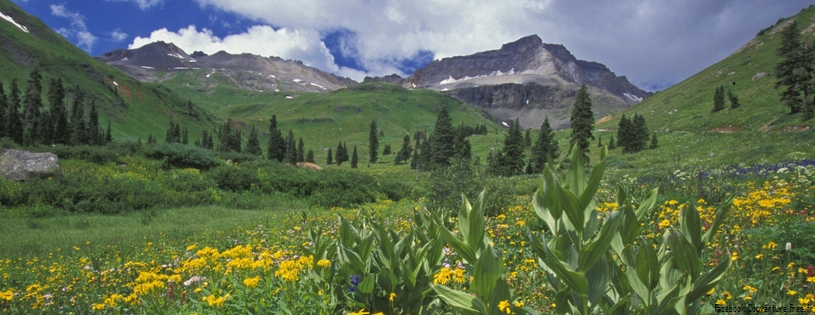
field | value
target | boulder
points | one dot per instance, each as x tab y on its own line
16	165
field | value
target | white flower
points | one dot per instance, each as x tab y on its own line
789	246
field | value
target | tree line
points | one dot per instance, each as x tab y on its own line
26	121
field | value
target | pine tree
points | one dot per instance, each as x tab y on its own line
373	143
582	122
654	143
441	148
461	146
510	160
718	99
641	132
600	141
354	158
253	145
14	121
330	159
109	134
310	156
276	150
300	150
291	149
3	112
386	150
56	96
624	134
32	104
170	136
185	136
788	70
404	152
734	100
150	139
527	139
611	144
545	147
78	122
340	155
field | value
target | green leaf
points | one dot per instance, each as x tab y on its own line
465	303
501	293
366	245
620	306
592	252
543	212
691	226
348	234
462	249
587	195
487	270
636	284
476	237
464	218
367	285
572	208
353	258
684	254
603	153
597	277
576	177
575	280
708	281
647	204
387	279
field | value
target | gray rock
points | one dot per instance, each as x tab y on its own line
16	165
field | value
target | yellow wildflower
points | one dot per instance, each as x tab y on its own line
325	263
98	306
792	292
251	282
361	312
664	223
504	306
7	295
392	296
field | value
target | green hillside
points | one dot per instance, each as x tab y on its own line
748	73
134	108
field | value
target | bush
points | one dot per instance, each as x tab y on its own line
233	178
181	156
95	154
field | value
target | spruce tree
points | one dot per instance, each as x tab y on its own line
354	158
624	134
291	149
511	160
300	150
789	69
718	99
527	139
373	143
329	159
170	136
78	122
582	122
185	135
404	152
611	144
32	104
253	145
340	155
14	121
3	112
654	144
461	146
641	132
276	149
545	147
109	134
441	148
386	150
56	96
734	100
600	141
310	156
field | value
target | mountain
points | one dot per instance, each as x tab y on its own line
747	73
135	109
162	61
525	79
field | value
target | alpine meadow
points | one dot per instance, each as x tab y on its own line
521	180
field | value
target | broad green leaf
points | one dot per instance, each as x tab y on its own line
652	260
709	280
367	285
636	284
487	270
596	249
684	254
353	258
575	280
620	306
348	234
543	212
592	223
387	279
603	153
647	204
597	277
462	249
476	238
587	195
464	213
572	208
691	226
465	303
576	178
501	293
366	245
666	301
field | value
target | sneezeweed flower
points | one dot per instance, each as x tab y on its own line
392	296
212	300
325	263
734	256
792	292
98	307
720	302
712	290
361	312
759	256
251	282
7	295
504	306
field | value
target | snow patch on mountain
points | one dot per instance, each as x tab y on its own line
11	20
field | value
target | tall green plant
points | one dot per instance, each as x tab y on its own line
603	265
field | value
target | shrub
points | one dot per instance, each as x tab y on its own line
233	178
181	156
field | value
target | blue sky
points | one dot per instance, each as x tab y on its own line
654	43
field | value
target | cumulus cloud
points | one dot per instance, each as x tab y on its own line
118	36
142	4
652	42
78	30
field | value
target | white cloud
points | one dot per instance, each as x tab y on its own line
648	41
118	36
142	4
79	29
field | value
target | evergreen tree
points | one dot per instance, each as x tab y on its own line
624	138
150	139
527	139
14	130
109	134
354	158
373	143
600	141
718	99
461	146
414	159
511	160
654	143
441	148
582	122
386	150
171	136
330	159
56	95
641	133
791	71
404	152
3	112
545	147
78	122
310	156
185	135
291	149
277	145
32	104
300	150
204	140
611	144
340	155
734	100
253	145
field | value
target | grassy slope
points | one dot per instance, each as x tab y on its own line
135	109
